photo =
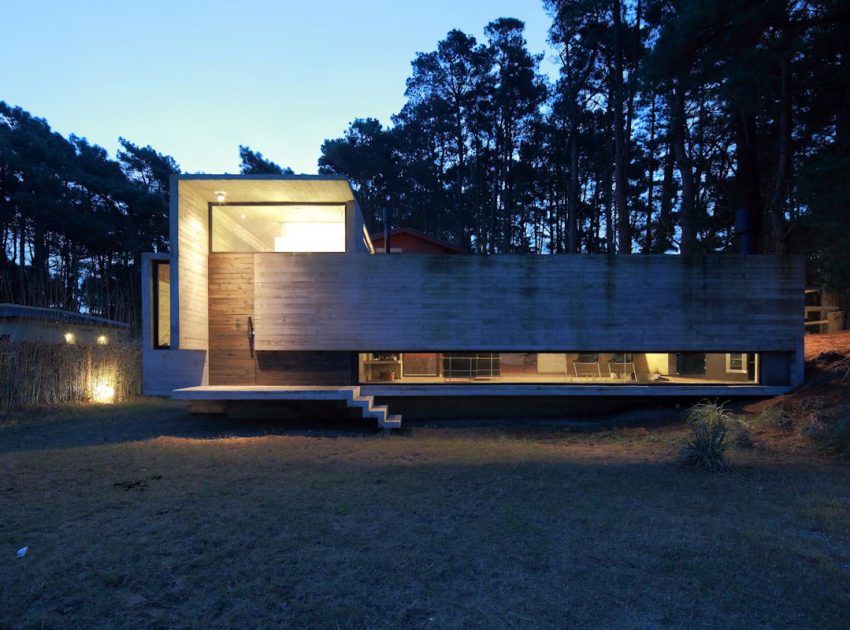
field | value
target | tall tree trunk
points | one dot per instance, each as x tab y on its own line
783	170
22	259
460	144
665	213
678	133
594	235
507	194
608	201
747	177
624	236
40	267
572	198
647	244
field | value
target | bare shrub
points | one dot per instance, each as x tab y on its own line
34	373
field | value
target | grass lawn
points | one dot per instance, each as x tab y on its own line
142	515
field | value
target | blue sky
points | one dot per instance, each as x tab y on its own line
196	79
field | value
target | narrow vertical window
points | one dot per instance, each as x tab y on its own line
161	287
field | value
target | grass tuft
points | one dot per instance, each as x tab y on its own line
774	418
706	447
836	436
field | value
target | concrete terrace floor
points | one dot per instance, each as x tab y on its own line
139	514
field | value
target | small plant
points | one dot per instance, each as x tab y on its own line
836	437
707	445
775	418
814	429
740	434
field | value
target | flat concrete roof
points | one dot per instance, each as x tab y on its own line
19	311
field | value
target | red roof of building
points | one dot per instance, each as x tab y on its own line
412	241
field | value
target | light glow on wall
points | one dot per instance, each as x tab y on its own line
70	337
102	340
103	392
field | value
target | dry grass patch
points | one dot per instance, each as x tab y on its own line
815	416
530	526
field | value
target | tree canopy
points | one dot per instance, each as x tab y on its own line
253	163
669	123
73	221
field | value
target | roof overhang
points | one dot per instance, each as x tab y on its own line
266	188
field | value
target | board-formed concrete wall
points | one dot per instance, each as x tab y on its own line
191	196
528	303
166	370
189	273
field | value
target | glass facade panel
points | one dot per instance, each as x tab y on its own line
420	364
161	304
609	368
278	228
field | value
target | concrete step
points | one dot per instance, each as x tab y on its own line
363	401
392	422
379	413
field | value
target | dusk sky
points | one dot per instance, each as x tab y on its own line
196	79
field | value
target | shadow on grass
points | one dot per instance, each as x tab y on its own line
75	426
466	532
463	528
146	419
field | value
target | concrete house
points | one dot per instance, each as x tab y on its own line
273	291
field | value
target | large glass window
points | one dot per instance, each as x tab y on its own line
278	228
161	288
612	368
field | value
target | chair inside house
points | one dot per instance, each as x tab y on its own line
622	367
587	365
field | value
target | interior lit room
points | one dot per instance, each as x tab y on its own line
669	368
277	228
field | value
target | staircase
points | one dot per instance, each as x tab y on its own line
350	394
369	409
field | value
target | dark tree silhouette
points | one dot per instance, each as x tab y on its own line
253	163
668	119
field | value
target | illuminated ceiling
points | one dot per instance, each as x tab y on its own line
266	188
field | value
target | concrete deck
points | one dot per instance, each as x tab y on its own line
265	392
610	390
354	392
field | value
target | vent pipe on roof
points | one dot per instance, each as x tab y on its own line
386	230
